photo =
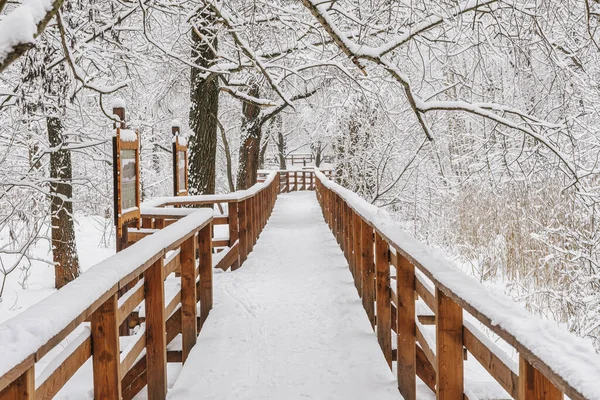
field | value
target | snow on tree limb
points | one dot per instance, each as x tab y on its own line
19	29
358	53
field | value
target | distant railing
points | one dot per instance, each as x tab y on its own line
551	362
83	319
293	180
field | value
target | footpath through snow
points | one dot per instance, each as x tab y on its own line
289	323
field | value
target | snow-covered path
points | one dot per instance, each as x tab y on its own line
289	324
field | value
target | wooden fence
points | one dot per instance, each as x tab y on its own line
551	360
82	319
293	180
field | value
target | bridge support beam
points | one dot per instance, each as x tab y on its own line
105	350
189	331
407	351
449	348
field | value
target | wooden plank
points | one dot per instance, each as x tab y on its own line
533	385
233	230
407	356
243	231
173	264
156	343
64	372
427	350
220	243
425	370
16	372
493	365
205	296
357	256
173	303
229	259
22	388
133	354
188	297
105	350
384	326
130	304
449	348
368	270
426	295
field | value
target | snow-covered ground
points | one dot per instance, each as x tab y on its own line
289	324
94	244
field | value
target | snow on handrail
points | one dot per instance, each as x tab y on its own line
211	198
30	332
570	362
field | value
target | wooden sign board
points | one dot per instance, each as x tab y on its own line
180	164
126	171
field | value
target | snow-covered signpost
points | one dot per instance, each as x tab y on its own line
180	161
126	170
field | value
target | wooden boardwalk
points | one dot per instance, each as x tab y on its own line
331	299
290	323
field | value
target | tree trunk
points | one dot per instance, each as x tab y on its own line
281	150
227	159
263	150
64	249
250	143
204	96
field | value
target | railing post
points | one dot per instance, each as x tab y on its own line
368	270
406	341
205	294
287	181
106	361
22	388
243	231
350	216
384	309
188	296
296	188
449	348
232	210
533	385
156	339
356	246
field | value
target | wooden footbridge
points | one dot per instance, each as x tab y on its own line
360	310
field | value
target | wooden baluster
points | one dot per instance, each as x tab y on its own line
287	182
206	273
156	339
406	339
22	388
232	208
250	210
188	296
356	237
533	385
243	231
106	359
384	309
449	348
368	270
348	237
350	257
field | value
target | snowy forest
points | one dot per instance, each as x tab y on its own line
474	123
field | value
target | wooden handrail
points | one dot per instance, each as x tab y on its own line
552	361
88	311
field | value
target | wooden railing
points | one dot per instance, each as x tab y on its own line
246	215
83	319
293	180
551	360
